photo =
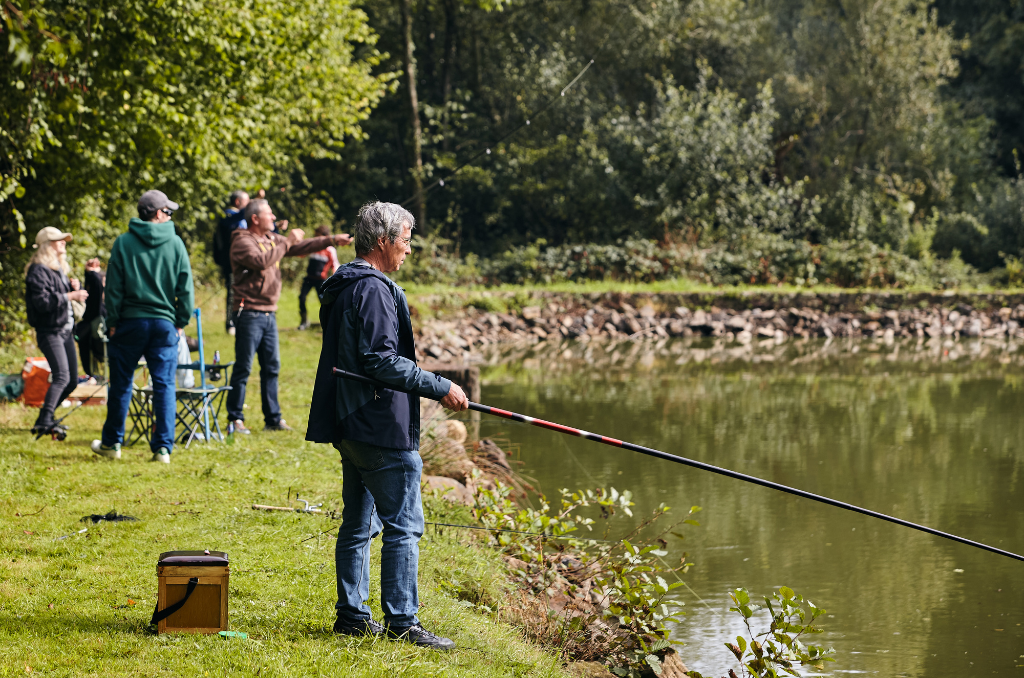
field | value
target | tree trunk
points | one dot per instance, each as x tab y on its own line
449	67
419	202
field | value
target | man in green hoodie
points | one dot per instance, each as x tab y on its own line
149	298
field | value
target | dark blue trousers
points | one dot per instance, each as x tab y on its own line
157	339
256	334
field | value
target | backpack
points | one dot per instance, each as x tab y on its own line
222	238
11	386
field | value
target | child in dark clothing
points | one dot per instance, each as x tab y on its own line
89	329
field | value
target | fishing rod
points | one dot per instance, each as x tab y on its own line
569	430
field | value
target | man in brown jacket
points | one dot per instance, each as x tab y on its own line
256	254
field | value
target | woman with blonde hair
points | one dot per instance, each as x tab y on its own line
48	296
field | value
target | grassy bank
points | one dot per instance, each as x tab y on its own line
80	606
683	285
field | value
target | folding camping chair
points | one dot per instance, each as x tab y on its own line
195	405
140	410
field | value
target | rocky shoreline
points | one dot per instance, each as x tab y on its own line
458	335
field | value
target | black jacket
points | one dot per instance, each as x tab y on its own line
231	222
94	305
368	330
46	301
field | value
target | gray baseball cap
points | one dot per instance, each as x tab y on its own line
151	201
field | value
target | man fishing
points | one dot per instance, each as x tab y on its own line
368	331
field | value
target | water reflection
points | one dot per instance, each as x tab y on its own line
925	431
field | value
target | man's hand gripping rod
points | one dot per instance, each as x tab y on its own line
522	418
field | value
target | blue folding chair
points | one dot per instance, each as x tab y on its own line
195	405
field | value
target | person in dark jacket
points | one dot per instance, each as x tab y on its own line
368	330
48	296
89	328
149	303
234	219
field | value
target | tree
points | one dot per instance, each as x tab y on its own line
106	98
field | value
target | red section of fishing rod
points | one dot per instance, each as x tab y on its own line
522	418
550	425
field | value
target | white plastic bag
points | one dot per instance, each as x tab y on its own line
184	378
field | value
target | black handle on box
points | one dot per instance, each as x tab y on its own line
159	616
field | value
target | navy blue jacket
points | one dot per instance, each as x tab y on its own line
368	330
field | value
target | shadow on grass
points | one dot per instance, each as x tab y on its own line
56	625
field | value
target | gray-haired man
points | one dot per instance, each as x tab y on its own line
368	330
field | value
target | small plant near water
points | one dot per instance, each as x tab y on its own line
606	599
779	650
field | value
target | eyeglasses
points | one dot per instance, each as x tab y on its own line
407	241
169	212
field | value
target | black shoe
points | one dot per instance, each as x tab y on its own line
56	431
417	635
365	628
279	426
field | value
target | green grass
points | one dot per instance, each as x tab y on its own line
66	606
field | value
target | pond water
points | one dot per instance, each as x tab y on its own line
928	432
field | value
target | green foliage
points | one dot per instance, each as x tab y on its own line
628	576
779	141
433	262
707	161
988	81
749	257
103	100
778	651
217	98
707	123
1014	271
632	259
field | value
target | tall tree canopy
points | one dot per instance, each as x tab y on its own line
103	99
855	93
862	126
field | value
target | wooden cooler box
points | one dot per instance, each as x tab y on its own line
193	592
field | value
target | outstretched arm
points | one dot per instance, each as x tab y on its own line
247	253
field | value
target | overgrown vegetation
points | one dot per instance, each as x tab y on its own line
798	141
757	259
104	100
607	599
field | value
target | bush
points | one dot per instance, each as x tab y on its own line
432	262
630	260
751	257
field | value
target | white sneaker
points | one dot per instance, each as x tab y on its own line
162	455
110	452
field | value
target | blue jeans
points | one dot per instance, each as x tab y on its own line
381	490
255	333
157	339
